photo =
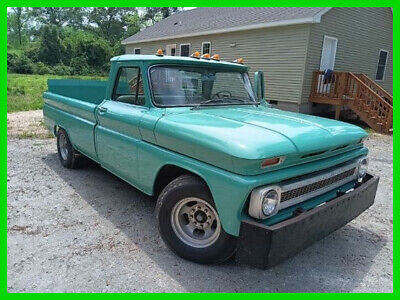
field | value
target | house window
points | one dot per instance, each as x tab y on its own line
171	49
136	51
206	48
380	70
185	49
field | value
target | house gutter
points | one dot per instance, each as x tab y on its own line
315	19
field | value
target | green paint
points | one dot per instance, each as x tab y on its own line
224	145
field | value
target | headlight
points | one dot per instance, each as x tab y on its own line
270	203
264	202
362	167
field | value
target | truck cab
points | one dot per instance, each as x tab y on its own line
231	174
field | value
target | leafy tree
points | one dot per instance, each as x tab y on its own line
72	40
110	22
17	20
133	24
51	47
155	14
57	16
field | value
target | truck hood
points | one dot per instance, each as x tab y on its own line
239	138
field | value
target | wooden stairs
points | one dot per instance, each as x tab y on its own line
368	100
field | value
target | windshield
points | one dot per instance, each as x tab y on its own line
194	86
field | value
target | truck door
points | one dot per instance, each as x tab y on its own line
117	132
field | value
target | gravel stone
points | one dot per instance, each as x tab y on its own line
88	231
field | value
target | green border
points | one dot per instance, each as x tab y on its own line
3	129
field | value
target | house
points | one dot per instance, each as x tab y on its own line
290	44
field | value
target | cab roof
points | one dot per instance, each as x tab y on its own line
155	59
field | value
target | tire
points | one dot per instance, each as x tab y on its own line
187	199
69	157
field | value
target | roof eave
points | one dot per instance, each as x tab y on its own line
314	19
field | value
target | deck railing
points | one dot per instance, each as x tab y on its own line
375	87
367	99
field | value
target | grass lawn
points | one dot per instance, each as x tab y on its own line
24	92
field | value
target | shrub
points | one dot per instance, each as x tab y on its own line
41	68
19	63
61	69
96	51
80	66
32	51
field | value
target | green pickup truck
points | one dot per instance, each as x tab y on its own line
231	174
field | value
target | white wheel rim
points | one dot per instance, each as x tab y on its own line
195	222
62	143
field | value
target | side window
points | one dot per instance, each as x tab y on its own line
382	60
129	86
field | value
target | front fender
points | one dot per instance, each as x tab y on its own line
230	191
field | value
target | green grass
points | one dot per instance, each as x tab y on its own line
24	92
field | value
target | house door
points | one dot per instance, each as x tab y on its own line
328	57
171	49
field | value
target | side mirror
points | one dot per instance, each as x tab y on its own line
259	85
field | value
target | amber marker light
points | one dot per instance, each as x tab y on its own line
196	54
272	161
239	61
205	56
160	52
215	57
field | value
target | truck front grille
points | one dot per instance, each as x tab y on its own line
309	188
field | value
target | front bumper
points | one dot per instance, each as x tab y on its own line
265	246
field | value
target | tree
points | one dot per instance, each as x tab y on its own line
133	24
110	22
51	47
17	20
59	16
155	14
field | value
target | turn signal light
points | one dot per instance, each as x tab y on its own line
272	162
160	52
196	54
239	61
215	57
206	56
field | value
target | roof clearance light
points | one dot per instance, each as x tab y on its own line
160	52
215	57
206	56
239	61
196	55
272	161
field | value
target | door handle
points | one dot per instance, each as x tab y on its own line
102	109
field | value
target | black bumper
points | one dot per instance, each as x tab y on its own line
265	246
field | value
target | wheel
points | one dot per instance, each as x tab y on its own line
69	157
189	223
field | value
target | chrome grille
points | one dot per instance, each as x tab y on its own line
309	188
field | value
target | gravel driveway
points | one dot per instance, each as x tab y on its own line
87	231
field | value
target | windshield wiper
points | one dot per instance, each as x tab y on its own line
244	102
202	103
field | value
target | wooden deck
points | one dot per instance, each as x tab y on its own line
358	92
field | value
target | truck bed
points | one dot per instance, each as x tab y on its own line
71	104
93	91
